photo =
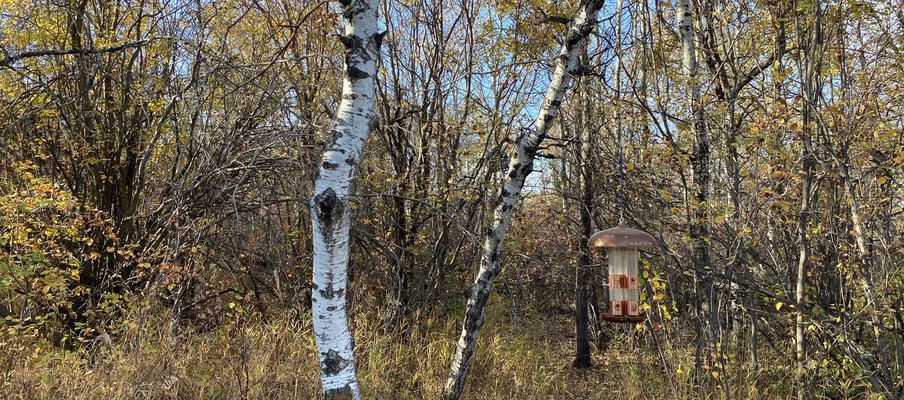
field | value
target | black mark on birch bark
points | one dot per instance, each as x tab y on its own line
336	134
333	363
471	291
349	42
330	293
514	171
354	73
328	205
378	38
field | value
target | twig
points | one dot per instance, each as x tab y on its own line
8	60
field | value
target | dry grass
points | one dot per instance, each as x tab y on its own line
276	360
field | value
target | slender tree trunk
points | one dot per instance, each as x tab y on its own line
699	229
843	159
329	205
803	255
522	161
882	382
809	88
585	261
866	282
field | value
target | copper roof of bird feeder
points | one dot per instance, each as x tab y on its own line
623	237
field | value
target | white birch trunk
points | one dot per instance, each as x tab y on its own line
329	205
521	165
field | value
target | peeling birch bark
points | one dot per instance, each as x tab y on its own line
329	205
521	165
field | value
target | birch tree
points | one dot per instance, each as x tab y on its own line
567	63
329	205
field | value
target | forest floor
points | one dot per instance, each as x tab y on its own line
518	358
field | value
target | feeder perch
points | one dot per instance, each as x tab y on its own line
622	244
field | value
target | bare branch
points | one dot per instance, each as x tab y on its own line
8	60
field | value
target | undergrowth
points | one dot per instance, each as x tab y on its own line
246	358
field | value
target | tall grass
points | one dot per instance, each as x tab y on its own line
248	358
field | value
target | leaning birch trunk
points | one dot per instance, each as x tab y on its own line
329	205
566	64
699	230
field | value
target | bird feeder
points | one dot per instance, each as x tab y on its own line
623	245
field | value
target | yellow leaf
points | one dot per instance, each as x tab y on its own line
778	306
665	195
881	180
